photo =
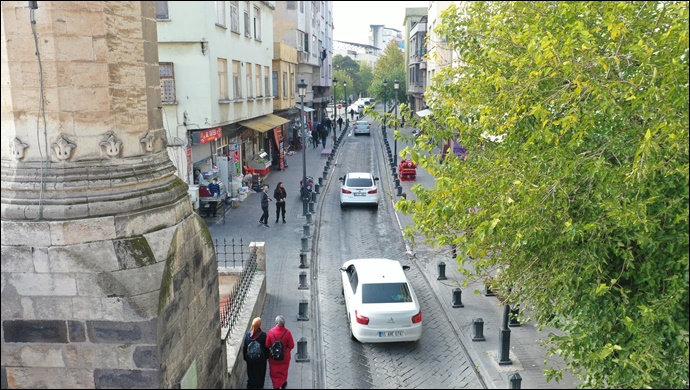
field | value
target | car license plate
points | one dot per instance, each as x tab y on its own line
391	334
360	194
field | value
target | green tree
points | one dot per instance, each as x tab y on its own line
575	185
366	76
390	66
342	76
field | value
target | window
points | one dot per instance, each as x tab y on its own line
291	4
257	76
250	93
247	21
292	82
162	10
167	75
267	86
301	6
314	47
220	13
257	23
386	293
285	81
234	17
222	78
275	84
302	41
236	85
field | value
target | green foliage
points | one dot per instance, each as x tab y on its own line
390	66
584	204
366	76
342	76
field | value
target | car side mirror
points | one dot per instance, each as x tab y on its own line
341	178
376	178
342	269
406	267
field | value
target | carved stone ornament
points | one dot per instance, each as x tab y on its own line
111	145
63	148
147	140
17	147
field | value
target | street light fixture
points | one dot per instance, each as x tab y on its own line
335	83
396	85
302	92
347	120
385	104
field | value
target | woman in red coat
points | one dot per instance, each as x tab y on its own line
279	368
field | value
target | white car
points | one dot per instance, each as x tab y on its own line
359	188
381	304
361	127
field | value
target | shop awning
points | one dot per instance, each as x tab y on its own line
264	123
306	109
424	112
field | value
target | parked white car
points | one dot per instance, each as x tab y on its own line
380	302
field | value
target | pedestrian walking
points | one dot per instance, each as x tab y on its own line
315	136
264	206
279	362
279	195
340	124
323	133
352	114
255	353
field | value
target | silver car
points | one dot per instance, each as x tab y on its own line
359	188
361	127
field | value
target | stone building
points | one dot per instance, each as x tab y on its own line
109	279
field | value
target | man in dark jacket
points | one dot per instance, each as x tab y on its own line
323	133
340	124
264	206
280	194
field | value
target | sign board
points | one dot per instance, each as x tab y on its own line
205	136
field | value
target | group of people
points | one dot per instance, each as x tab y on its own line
279	195
320	131
256	356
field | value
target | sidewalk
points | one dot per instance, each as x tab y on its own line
526	354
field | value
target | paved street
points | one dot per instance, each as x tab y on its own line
445	357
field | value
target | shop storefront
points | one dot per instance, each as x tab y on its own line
263	143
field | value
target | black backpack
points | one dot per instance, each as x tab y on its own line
254	351
277	350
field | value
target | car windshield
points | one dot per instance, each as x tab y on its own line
359	182
385	293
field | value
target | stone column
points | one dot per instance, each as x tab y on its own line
109	279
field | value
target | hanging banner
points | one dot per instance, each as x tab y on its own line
278	137
205	136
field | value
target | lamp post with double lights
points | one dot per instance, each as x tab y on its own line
385	106
302	92
396	85
335	83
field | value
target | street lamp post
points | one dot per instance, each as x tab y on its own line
302	92
396	85
385	104
346	105
335	83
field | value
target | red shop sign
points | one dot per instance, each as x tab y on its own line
207	135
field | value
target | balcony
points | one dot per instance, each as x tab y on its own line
303	57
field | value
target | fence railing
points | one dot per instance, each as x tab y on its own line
230	253
231	307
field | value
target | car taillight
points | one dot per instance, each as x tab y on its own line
346	191
417	318
368	127
365	320
373	191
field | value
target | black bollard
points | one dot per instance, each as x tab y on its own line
457	298
308	218
478	330
316	187
302	351
313	197
321	181
514	317
303	281
305	229
325	173
441	271
302	314
487	289
303	260
399	193
305	244
504	339
397	181
311	207
514	381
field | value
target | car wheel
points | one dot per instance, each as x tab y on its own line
342	205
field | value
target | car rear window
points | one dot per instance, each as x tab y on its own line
385	293
359	182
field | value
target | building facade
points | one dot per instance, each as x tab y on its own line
380	36
415	32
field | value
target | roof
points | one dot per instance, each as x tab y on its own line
360	174
379	270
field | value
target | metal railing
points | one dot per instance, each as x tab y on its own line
231	307
229	253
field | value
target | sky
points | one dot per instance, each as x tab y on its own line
351	19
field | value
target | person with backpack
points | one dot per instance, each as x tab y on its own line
279	342
255	354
